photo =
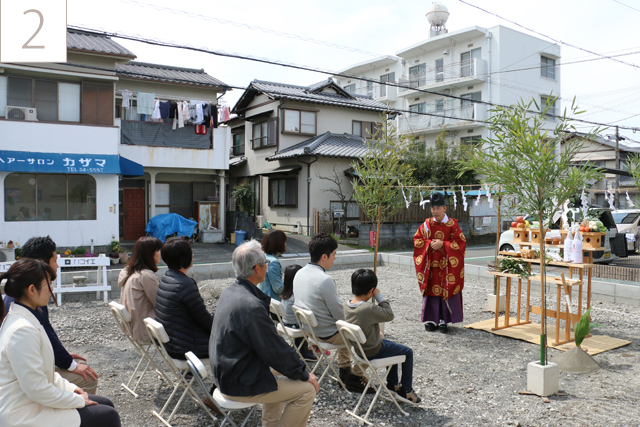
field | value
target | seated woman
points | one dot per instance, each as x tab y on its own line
31	392
139	284
179	305
273	244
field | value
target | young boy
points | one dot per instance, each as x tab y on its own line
368	316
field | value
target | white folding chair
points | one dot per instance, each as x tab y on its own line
289	334
226	406
178	370
307	321
146	349
353	334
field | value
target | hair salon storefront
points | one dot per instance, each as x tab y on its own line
71	197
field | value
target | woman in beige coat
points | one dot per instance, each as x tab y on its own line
139	284
32	394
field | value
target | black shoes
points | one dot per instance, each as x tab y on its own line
430	327
354	383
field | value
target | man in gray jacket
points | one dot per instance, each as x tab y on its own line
316	291
249	360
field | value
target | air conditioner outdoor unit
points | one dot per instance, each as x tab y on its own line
20	113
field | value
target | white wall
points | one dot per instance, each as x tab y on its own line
62	138
173	157
319	197
58	138
71	233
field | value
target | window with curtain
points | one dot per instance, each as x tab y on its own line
283	192
265	134
299	121
53	101
364	129
49	197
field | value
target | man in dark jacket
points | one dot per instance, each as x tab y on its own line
179	305
249	360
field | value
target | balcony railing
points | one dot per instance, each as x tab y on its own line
467	115
162	135
461	72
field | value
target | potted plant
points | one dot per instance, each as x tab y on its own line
116	250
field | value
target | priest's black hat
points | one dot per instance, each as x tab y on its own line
437	199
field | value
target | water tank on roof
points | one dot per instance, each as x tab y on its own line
437	16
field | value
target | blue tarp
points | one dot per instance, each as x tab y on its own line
163	225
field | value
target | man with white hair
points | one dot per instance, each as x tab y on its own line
249	360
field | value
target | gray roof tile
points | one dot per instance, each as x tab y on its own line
93	42
326	145
307	94
165	73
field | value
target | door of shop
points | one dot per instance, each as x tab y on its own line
133	213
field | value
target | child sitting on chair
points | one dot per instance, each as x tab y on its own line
288	301
368	316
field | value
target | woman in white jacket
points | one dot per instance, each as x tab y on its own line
31	392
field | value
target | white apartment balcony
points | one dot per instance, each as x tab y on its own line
454	118
379	92
435	78
157	145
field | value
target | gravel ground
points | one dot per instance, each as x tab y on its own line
465	378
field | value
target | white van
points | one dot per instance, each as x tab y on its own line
628	222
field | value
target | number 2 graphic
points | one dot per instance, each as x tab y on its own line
26	45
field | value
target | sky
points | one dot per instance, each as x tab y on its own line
332	35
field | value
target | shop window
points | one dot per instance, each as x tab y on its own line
283	192
300	122
49	197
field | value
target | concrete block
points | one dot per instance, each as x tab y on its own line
492	300
542	379
624	292
405	260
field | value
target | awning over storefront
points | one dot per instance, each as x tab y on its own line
130	168
26	161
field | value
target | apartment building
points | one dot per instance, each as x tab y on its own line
449	80
68	155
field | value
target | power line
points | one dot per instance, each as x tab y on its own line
549	37
252	27
630	7
315	70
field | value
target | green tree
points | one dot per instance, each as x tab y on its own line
244	195
379	174
530	159
633	166
439	165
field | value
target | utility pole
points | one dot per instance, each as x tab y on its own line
617	167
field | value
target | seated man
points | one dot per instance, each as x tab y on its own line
316	291
249	360
80	374
360	311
